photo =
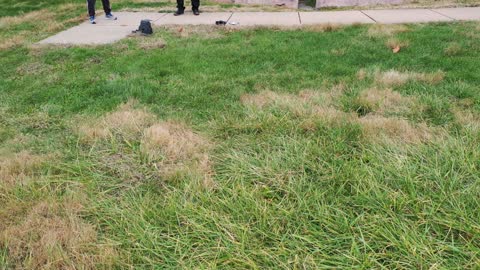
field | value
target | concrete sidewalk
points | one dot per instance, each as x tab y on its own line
106	31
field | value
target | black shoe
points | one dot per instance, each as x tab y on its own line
179	12
196	12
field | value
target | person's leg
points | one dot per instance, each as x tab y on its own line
91	8
106	7
180	7
195	6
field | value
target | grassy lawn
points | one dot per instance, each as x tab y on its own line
209	148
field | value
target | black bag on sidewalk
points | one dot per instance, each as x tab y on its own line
145	27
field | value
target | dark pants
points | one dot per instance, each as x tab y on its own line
91	7
195	4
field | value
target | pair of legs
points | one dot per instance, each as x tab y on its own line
181	7
106	8
91	7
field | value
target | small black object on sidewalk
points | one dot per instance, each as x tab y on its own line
145	28
220	22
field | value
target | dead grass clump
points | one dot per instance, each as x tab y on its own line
175	151
386	30
430	78
19	167
305	98
376	127
396	45
69	7
34	16
384	101
33	68
466	118
201	31
453	49
338	52
53	26
311	106
9	43
392	78
171	141
362	74
53	236
270	98
321	28
314	107
149	43
127	121
332	115
175	148
397	78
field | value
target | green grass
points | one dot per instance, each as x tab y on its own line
285	196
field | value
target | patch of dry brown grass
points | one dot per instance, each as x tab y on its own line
321	28
313	107
19	167
53	236
42	21
172	149
466	118
453	49
386	30
396	44
378	128
201	31
396	78
151	43
34	16
11	42
384	101
128	121
362	74
305	99
33	68
175	149
338	52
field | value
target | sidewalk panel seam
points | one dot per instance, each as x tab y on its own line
375	21
433	10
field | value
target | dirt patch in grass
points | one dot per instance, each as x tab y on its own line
19	167
53	236
396	78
